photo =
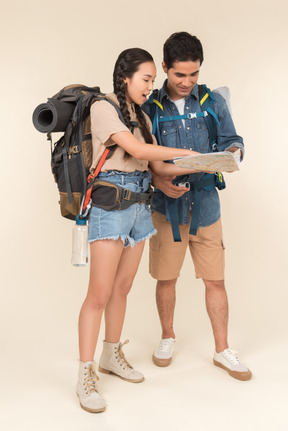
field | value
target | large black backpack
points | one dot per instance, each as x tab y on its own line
68	111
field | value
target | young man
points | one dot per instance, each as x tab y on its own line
180	95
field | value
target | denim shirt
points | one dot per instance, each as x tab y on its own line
193	136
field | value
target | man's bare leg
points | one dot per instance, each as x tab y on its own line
166	299
217	308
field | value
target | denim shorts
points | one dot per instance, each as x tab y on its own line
131	225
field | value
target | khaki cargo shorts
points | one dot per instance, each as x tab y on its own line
166	256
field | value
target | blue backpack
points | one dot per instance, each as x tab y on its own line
208	181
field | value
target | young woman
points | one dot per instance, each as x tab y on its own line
117	237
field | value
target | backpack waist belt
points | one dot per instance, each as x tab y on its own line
111	197
208	183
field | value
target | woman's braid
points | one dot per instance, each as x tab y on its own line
126	65
142	121
120	91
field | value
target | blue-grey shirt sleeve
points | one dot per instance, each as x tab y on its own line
226	132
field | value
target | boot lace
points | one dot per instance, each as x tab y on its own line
121	357
90	379
231	355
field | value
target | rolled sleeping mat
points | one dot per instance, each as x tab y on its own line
52	116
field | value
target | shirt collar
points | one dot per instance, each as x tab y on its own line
163	92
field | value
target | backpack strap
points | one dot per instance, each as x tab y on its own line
209	181
206	103
91	177
207	112
155	105
66	175
188	116
107	153
174	219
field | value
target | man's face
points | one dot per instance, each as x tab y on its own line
182	77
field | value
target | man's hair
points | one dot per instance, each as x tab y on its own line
182	46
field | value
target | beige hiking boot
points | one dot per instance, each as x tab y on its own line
113	361
87	389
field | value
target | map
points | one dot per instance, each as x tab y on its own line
213	162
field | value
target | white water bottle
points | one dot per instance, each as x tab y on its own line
80	242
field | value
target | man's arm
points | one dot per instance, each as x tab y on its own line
227	138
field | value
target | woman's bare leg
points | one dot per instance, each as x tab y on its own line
104	259
116	306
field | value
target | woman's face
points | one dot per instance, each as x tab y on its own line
139	87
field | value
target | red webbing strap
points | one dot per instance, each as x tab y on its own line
91	178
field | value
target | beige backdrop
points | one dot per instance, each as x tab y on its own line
47	45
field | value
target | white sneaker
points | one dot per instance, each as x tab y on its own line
229	361
87	389
113	361
163	355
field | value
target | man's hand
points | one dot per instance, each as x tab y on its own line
165	185
233	149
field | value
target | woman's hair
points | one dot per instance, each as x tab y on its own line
126	65
182	46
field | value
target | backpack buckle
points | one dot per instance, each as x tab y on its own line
191	115
126	194
74	150
214	146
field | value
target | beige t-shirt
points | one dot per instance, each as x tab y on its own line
104	123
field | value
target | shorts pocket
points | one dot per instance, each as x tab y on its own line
154	244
